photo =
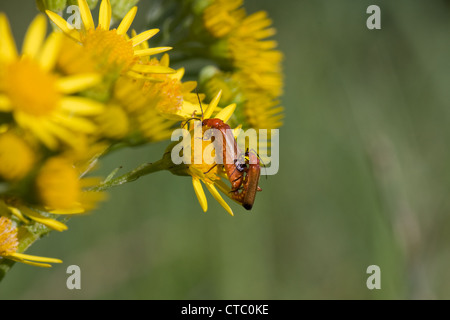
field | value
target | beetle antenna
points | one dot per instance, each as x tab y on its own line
199	101
260	159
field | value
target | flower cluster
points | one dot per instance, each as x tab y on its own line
249	65
64	100
87	89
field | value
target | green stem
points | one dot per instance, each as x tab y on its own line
164	164
141	171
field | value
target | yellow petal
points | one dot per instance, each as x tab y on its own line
186	111
212	106
151	51
105	15
139	76
81	106
165	60
76	124
71	211
61	133
188	86
179	74
35	216
77	83
63	25
143	46
88	182
200	193
51	223
219	198
225	114
49	54
144	36
8	49
35	36
225	189
31	263
16	212
127	21
142	68
23	256
86	15
30	122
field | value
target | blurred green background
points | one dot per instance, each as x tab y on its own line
363	179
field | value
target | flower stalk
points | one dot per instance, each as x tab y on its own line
143	170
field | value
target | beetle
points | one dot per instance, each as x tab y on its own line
244	171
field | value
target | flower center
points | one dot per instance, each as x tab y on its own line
109	49
8	237
31	89
171	96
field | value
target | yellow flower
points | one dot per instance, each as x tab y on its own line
111	49
59	188
40	101
213	80
59	191
248	45
113	123
74	59
222	16
262	112
256	65
16	157
258	70
256	108
207	174
158	103
9	245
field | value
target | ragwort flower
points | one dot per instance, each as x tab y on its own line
40	101
111	50
9	244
